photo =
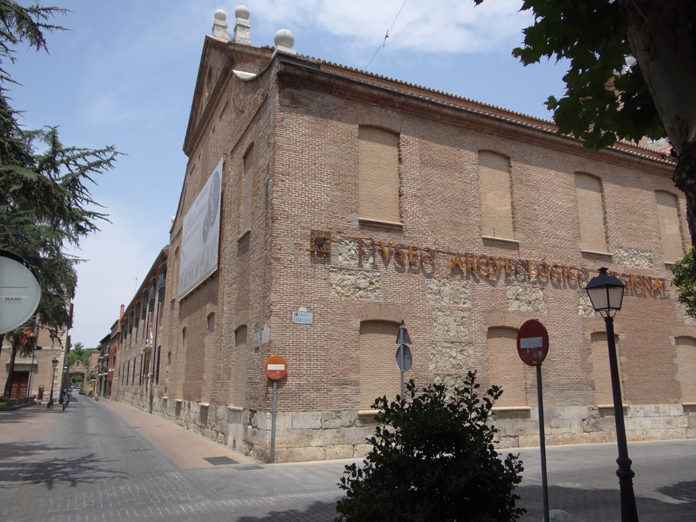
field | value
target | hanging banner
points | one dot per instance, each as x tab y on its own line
200	237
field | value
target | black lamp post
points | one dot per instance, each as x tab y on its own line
606	294
54	365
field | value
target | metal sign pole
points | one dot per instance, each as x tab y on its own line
542	443
401	368
274	411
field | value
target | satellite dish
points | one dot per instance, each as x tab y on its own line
20	292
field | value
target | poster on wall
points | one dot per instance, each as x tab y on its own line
200	238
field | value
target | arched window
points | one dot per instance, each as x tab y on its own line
378	181
505	368
240	335
591	214
379	374
686	367
670	231
601	374
495	186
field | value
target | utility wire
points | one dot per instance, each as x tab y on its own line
386	35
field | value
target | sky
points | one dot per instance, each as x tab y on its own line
124	74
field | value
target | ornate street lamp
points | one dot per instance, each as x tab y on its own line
54	365
606	294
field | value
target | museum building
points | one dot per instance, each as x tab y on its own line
323	205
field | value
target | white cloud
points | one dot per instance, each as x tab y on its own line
452	26
116	259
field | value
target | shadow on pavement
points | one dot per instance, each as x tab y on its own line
42	469
22	414
579	505
683	491
602	505
317	512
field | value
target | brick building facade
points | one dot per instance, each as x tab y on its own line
33	369
366	201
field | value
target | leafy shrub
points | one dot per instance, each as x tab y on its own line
433	459
685	280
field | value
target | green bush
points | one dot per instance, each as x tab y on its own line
685	280
433	459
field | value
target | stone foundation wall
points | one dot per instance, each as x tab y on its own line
326	435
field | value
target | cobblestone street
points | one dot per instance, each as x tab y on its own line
104	461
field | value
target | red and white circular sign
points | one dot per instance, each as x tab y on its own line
532	342
275	367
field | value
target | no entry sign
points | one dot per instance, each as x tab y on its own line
276	367
532	347
532	342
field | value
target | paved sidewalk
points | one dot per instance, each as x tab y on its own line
108	462
184	448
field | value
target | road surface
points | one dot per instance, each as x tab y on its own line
103	461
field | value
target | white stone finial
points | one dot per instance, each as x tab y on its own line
220	25
242	11
242	25
285	41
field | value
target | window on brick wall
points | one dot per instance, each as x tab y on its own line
157	367
591	213
686	367
496	195
600	369
245	183
211	322
379	374
378	180
240	335
670	230
505	368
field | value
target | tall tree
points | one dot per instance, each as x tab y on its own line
631	74
45	201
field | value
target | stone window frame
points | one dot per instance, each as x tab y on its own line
605	220
512	241
371	220
679	222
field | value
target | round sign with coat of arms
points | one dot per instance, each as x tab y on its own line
20	292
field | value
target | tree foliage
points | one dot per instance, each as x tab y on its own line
45	201
606	97
685	279
433	458
631	74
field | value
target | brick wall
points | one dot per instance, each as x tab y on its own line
304	176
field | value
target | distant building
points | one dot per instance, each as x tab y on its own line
323	205
33	369
78	373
